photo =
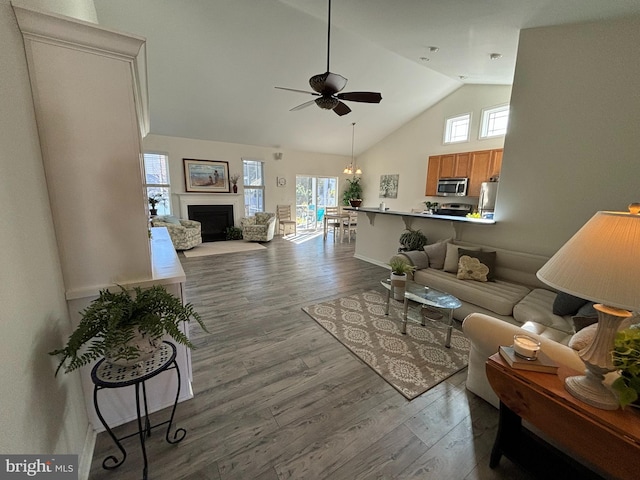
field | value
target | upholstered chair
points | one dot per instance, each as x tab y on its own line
259	228
185	234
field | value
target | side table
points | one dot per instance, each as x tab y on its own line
607	440
106	375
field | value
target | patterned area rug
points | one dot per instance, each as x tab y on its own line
411	363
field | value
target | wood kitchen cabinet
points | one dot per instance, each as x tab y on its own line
478	166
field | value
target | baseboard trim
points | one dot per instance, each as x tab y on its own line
371	260
86	457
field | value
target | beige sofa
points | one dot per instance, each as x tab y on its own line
516	296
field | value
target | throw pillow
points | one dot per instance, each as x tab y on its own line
566	304
582	322
470	268
583	338
452	257
487	259
436	253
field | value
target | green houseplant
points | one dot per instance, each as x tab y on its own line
352	192
412	240
626	357
110	324
399	271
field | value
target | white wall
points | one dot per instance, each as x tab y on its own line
40	414
407	150
292	163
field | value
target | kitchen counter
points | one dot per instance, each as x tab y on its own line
408	216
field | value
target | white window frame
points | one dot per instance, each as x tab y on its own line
150	188
488	120
250	188
452	123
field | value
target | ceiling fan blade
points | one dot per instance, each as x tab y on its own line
341	109
303	105
327	83
296	90
366	97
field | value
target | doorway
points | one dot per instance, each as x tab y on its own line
313	195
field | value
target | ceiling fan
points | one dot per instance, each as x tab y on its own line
327	85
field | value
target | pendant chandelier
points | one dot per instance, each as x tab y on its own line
352	169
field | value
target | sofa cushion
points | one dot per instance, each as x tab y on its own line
452	257
488	259
499	297
436	253
536	308
566	304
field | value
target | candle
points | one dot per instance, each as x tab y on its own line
526	346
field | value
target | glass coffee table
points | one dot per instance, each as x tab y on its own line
429	298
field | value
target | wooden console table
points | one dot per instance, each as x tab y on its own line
608	440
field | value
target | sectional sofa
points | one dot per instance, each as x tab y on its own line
497	304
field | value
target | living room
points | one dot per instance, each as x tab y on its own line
570	152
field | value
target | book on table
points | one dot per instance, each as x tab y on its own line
543	363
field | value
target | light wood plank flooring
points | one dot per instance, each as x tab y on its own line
277	397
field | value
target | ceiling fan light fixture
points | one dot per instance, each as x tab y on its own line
327	103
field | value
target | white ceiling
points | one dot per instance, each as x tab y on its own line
213	64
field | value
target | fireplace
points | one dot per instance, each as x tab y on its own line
215	220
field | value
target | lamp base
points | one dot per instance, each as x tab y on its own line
590	389
598	361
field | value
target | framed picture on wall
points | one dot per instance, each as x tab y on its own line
389	186
206	176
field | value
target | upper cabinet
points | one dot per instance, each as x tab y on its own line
478	167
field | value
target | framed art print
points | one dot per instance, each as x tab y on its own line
206	176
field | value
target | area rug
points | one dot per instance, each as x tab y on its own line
411	363
219	248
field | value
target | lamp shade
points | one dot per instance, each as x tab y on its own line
601	262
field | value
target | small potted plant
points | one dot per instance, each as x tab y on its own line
412	240
626	357
126	327
399	271
234	182
353	193
153	201
430	207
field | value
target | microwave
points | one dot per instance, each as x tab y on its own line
452	187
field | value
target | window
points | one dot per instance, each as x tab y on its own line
156	181
494	121
456	128
253	173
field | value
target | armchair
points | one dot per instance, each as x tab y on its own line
259	228
185	234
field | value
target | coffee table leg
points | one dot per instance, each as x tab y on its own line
404	315
447	342
389	292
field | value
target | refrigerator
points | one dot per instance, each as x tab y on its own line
487	200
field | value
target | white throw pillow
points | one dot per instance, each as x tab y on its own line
451	259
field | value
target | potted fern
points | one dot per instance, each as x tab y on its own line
126	327
399	271
412	240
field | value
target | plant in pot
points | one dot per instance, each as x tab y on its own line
153	201
626	358
233	233
126	327
412	240
399	271
353	193
430	207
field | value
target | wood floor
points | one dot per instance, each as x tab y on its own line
277	397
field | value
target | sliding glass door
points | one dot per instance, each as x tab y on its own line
313	195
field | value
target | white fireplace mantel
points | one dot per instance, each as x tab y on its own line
234	199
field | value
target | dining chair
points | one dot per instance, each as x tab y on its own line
350	224
332	223
284	219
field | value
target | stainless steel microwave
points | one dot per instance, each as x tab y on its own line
452	187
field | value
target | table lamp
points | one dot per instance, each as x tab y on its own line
601	263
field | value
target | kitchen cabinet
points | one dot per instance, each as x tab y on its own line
479	166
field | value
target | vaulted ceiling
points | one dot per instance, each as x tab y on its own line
213	64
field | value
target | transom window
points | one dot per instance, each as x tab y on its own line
494	121
456	129
156	181
253	174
